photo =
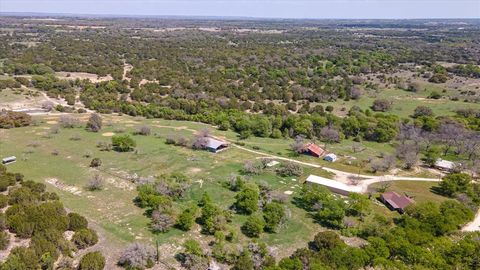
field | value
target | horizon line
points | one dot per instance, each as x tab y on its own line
218	17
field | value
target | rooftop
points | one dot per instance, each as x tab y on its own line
395	200
333	184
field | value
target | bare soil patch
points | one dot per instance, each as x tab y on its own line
82	76
52	122
108	134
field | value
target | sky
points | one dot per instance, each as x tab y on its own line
321	9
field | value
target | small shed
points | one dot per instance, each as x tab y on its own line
396	202
444	165
314	150
330	157
9	160
215	145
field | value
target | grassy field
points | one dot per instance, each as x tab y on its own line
405	102
60	162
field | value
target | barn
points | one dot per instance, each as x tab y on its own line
314	150
396	202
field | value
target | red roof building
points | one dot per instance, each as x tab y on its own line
315	150
395	201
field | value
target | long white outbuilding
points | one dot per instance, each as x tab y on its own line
334	186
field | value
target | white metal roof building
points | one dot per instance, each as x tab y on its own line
8	160
334	186
444	164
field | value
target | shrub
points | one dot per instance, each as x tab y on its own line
381	105
84	238
3	200
92	261
76	222
4	240
11	119
94	123
137	256
96	162
96	183
123	143
254	225
290	169
144	130
422	111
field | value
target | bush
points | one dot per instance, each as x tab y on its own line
94	123
96	162
247	200
76	222
290	169
3	200
11	119
123	143
96	183
4	240
254	225
137	256
84	238
92	261
381	105
144	130
422	111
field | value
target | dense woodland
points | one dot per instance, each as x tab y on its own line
270	80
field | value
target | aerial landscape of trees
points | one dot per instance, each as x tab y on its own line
138	95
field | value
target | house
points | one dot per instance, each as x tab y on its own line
9	160
330	157
215	145
314	150
396	202
334	186
444	165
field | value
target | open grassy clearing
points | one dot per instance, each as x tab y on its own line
112	209
405	102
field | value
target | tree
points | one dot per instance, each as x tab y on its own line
273	214
186	219
123	143
247	200
298	146
331	213
455	183
254	226
329	135
94	123
359	204
381	105
92	261
137	256
327	240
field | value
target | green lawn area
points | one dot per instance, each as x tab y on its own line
420	191
112	210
